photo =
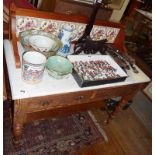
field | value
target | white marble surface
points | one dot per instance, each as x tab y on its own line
48	85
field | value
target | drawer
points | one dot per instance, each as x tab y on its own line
114	92
55	101
76	98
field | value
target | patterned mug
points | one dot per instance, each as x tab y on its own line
33	65
65	35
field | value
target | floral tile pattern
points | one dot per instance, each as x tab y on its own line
24	23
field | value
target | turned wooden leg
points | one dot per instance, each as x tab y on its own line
120	104
17	133
19	117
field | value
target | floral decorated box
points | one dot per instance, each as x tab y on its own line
92	70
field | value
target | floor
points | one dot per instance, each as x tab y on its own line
127	133
142	107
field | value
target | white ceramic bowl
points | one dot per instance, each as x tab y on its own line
40	41
43	43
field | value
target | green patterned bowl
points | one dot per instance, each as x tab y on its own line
58	67
41	41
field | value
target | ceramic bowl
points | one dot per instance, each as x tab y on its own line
56	75
58	67
40	41
43	43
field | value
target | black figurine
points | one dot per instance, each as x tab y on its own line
88	46
85	43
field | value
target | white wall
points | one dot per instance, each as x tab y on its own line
117	14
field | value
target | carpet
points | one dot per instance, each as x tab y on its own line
55	136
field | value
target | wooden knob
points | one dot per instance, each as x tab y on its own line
68	12
78	98
44	103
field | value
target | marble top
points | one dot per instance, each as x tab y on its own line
50	86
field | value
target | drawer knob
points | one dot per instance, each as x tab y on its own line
68	12
78	98
44	103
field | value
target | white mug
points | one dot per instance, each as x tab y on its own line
33	65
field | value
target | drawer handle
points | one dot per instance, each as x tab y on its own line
68	12
44	103
78	98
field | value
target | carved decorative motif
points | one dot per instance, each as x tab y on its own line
19	118
24	23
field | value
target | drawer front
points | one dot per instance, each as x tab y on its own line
114	92
55	101
68	99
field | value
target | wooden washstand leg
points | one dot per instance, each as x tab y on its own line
19	118
120	104
17	132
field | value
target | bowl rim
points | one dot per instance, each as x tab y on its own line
28	33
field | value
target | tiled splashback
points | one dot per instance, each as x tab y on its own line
53	26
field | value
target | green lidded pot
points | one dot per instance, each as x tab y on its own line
58	67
